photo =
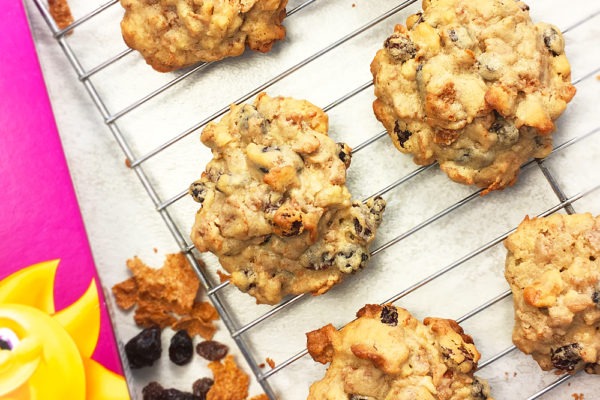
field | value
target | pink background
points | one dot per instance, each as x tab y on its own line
39	216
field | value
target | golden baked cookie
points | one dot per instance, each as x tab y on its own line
388	354
275	208
474	85
553	268
172	34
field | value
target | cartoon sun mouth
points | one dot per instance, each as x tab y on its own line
46	354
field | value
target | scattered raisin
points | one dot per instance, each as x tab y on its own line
5	345
174	394
479	391
389	315
144	348
201	387
596	298
400	48
553	41
152	391
181	348
566	357
211	350
198	191
402	134
344	153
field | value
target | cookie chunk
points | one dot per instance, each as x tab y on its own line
172	34
388	354
473	85
553	268
275	208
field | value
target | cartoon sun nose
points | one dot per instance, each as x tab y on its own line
46	354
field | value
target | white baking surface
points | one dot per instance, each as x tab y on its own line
121	220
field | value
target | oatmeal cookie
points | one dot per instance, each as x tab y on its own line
388	354
172	34
473	85
553	268
275	208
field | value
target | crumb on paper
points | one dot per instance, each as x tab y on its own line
261	365
166	297
155	250
230	382
127	163
577	396
270	362
353	5
514	374
598	77
61	13
223	277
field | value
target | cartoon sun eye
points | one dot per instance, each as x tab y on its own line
8	339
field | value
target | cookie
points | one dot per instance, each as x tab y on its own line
386	353
473	85
172	34
553	268
275	208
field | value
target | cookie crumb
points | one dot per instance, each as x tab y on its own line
61	13
353	5
127	163
261	365
155	250
223	277
577	396
270	362
230	382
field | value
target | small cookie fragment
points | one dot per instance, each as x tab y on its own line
473	85
388	354
166	297
553	268
172	34
275	208
230	382
61	13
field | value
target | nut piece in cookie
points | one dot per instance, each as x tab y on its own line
473	85
386	353
553	268
172	34
275	208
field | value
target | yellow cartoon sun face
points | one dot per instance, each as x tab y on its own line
46	354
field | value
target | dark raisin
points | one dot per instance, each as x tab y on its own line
402	134
174	394
201	387
357	397
452	35
553	41
144	348
344	153
596	298
211	350
181	348
263	170
266	239
479	390
389	315
198	191
5	344
566	357
524	7
357	226
295	229
400	48
152	391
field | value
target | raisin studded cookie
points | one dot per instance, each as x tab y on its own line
172	34
275	208
553	268
473	85
388	354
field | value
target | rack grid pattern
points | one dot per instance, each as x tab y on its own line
237	331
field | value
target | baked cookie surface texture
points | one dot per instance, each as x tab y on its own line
275	208
473	85
172	34
387	354
553	268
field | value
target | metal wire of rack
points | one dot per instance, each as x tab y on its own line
565	195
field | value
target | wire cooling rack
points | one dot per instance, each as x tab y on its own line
439	251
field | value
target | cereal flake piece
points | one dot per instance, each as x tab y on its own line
230	382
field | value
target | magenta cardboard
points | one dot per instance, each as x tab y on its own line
41	224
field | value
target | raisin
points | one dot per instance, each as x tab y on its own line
344	153
198	191
554	41
400	48
295	230
144	348
452	35
389	315
596	298
402	134
479	390
174	394
357	226
201	387
357	397
211	350
152	391
5	345
181	348
263	170
506	131
566	357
